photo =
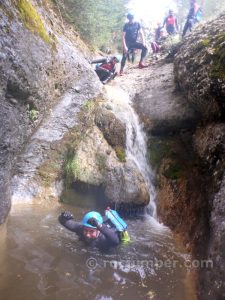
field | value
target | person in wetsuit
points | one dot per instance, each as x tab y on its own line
130	34
92	231
171	23
106	68
194	16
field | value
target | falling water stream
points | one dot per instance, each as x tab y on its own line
136	149
39	259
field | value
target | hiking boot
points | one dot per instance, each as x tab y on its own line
142	66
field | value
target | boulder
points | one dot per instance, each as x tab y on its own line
97	164
113	129
159	107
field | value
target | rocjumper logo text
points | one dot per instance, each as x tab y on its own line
155	264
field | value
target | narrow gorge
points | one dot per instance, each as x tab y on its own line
150	144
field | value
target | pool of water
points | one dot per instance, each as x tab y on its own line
39	259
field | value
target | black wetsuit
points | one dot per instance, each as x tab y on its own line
106	70
107	238
158	33
191	19
131	30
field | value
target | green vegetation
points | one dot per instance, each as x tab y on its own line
174	171
172	157
120	153
200	45
218	67
32	20
72	169
205	42
89	105
99	22
159	149
32	113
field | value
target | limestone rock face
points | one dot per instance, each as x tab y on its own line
98	165
209	143
199	68
159	107
200	75
35	71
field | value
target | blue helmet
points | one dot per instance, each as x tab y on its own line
130	16
89	215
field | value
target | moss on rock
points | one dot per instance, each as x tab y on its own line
158	150
218	67
174	171
32	20
120	153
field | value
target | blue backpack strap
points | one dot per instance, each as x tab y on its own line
116	220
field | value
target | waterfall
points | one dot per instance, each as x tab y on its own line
136	148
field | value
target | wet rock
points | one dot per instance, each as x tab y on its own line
212	278
96	164
113	129
161	109
34	76
126	185
200	76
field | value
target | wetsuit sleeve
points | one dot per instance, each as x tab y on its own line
100	60
71	224
110	235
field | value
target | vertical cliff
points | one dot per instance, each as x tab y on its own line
200	76
40	59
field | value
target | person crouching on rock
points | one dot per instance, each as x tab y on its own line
106	68
92	231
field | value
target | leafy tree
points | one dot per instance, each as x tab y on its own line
97	21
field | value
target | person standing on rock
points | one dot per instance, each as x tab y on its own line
171	23
194	16
130	34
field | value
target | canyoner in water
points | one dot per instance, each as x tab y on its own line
106	68
96	230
